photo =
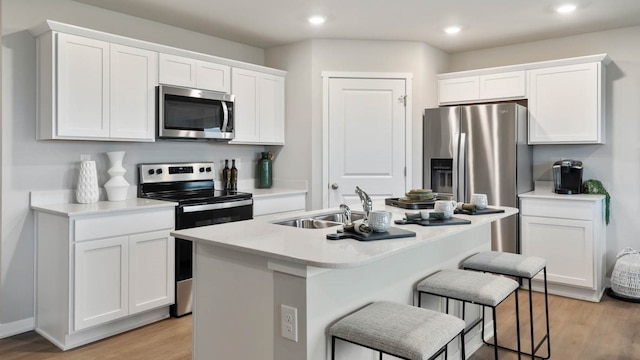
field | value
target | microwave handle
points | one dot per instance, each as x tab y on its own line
225	113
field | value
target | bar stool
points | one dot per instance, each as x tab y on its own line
399	330
471	287
521	267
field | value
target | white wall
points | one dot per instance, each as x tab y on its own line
315	56
617	163
30	165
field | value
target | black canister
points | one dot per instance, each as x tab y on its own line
265	177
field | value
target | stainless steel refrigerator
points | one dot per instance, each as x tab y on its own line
480	149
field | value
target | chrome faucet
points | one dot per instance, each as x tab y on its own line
346	211
366	202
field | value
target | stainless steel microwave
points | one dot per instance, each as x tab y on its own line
194	114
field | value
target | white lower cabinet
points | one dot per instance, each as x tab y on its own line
101	281
101	274
570	234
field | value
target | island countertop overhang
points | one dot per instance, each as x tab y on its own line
309	247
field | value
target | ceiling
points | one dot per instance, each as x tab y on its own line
485	23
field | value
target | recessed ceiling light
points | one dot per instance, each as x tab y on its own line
566	8
317	20
452	30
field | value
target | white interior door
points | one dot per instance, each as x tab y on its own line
366	138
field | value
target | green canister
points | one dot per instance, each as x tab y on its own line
265	178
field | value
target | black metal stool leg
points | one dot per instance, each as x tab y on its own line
518	324
495	333
333	348
546	308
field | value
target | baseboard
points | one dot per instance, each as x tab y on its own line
17	327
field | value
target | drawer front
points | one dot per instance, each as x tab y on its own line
123	224
563	209
278	204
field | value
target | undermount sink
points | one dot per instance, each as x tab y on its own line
320	221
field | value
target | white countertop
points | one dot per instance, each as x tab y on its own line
102	207
310	246
544	190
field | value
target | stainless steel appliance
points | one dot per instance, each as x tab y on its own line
480	149
194	114
567	177
191	185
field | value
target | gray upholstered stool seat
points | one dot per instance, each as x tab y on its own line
505	263
400	330
472	287
469	286
522	267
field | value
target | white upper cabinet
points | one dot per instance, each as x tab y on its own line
98	86
259	107
188	72
566	104
482	88
566	97
94	90
82	74
503	86
459	90
133	82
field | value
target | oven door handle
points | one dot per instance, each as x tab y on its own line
218	206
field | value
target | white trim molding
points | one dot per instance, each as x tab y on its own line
17	327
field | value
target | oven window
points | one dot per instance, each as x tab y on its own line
186	113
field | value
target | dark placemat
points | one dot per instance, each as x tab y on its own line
434	222
478	212
391	233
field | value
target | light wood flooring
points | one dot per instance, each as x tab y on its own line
579	330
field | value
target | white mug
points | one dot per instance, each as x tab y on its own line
479	200
445	206
379	220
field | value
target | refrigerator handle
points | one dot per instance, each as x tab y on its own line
461	169
455	141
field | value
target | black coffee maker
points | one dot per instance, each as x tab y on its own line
567	177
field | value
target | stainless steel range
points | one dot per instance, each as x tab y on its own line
191	185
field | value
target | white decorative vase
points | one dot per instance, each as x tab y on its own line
117	187
87	191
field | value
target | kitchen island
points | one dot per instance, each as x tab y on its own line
245	272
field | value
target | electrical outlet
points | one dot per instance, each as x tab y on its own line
289	322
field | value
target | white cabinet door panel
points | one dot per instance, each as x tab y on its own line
566	244
565	104
177	70
82	87
271	109
509	85
247	118
101	281
458	90
151	271
212	76
133	80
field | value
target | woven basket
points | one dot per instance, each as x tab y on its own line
625	279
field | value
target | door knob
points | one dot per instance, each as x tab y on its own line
334	186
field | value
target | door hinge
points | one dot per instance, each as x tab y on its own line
403	99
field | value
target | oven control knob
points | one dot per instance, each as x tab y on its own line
151	172
201	169
208	169
159	171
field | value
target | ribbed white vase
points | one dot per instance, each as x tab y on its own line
87	191
117	187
